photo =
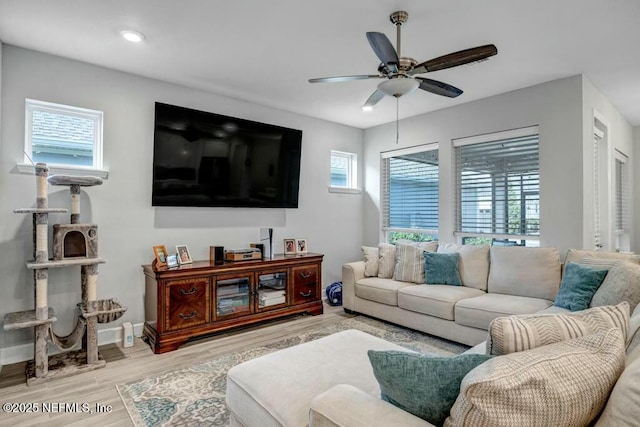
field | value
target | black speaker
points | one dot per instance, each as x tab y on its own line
216	254
259	246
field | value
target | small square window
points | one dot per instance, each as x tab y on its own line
344	170
63	135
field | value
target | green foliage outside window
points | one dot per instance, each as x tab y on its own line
394	236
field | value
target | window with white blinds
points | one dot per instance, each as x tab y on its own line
410	192
622	193
498	185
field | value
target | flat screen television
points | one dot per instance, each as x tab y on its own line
207	159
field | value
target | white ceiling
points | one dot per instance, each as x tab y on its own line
265	51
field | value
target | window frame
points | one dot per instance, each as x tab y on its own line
352	173
491	138
96	116
387	230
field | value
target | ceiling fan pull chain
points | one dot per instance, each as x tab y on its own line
397	120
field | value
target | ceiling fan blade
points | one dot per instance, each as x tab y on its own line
384	50
374	98
439	88
474	54
345	78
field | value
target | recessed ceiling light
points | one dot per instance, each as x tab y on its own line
132	36
367	108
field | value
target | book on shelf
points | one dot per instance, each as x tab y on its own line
272	301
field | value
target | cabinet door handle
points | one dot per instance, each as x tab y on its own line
305	294
193	314
305	275
191	292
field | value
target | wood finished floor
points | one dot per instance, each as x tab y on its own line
128	364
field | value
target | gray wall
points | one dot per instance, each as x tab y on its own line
555	106
636	190
128	225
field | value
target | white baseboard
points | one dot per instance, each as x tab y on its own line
22	352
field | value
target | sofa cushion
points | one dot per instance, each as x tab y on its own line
434	300
370	261
410	261
525	272
519	333
624	402
577	255
621	284
386	260
562	384
473	265
423	385
442	269
579	284
479	311
384	291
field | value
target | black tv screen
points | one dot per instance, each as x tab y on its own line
207	159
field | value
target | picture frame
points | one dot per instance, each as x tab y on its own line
184	257
301	246
289	246
172	261
160	251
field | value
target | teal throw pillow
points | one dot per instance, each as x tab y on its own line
579	284
442	268
425	386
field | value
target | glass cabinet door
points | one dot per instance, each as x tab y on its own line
233	296
272	290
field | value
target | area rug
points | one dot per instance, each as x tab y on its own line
196	395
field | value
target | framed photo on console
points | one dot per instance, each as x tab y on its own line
184	257
301	246
172	261
161	255
289	246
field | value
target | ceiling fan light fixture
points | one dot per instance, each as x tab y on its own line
367	108
399	86
132	36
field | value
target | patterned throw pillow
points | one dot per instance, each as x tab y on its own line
370	261
562	384
386	260
511	334
425	386
442	268
579	284
409	263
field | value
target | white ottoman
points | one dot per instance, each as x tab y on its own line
276	389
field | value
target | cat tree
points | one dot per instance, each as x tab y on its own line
73	244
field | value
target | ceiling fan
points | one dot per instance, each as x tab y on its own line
400	72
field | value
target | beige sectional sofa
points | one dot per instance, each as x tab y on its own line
496	281
329	382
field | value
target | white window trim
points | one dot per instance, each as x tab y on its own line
352	174
27	167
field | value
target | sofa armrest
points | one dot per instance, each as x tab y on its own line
348	406
351	273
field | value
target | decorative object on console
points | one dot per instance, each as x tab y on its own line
301	246
579	284
75	244
266	236
172	261
289	246
260	247
160	252
216	254
184	257
250	254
